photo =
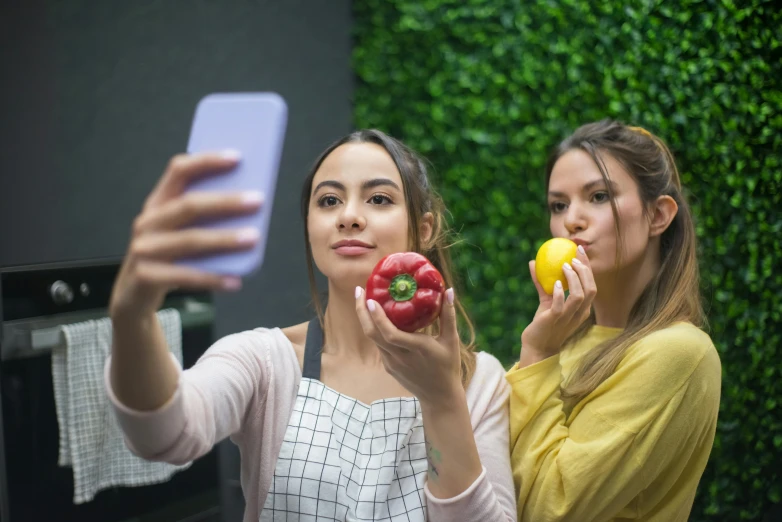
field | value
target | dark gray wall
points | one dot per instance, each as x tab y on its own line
96	96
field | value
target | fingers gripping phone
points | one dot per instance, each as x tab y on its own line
254	125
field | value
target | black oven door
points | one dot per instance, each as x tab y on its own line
36	488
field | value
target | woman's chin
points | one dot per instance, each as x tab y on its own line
350	278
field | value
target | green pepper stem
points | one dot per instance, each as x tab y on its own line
402	287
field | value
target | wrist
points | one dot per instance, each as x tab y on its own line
451	399
531	355
131	318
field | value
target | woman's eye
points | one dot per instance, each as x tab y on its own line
380	199
556	207
327	201
601	197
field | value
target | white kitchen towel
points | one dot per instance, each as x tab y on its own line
91	441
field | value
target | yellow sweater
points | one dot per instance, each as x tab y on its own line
634	449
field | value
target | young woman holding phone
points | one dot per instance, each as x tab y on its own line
344	417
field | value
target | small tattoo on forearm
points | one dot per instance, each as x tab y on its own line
434	458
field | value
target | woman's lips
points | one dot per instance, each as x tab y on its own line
352	250
582	243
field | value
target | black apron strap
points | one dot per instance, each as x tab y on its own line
312	350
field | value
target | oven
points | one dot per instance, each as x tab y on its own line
36	300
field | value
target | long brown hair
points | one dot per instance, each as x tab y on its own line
420	198
673	294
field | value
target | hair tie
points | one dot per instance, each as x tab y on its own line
655	139
641	130
667	153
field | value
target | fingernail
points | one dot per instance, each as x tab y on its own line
577	262
231	154
252	197
449	295
231	283
581	250
566	266
371	305
358	292
248	235
558	284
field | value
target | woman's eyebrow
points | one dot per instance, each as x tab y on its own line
586	188
368	184
379	182
329	183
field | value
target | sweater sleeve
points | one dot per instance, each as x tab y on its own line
647	429
209	403
491	496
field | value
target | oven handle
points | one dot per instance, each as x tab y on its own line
26	338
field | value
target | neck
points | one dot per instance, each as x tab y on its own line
618	291
344	336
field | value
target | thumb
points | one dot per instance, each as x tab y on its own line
448	323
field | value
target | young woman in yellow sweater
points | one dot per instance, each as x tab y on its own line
615	397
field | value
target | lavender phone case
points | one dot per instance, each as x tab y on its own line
254	124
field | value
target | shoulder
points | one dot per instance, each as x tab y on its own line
487	368
675	369
680	343
488	384
675	353
680	334
297	336
266	347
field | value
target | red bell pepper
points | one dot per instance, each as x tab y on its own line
409	288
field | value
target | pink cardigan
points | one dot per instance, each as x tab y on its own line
244	387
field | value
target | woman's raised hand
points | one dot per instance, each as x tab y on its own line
159	236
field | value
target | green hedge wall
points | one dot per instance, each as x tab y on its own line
485	88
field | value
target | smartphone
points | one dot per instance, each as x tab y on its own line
253	124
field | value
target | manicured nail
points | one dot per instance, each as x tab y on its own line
566	266
558	284
581	250
371	305
247	235
358	292
449	295
577	262
231	154
252	198
231	283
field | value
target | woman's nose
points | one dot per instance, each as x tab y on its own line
575	220
351	217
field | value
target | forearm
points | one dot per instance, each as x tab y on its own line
535	391
454	463
143	376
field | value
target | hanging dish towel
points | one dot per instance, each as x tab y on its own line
91	441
